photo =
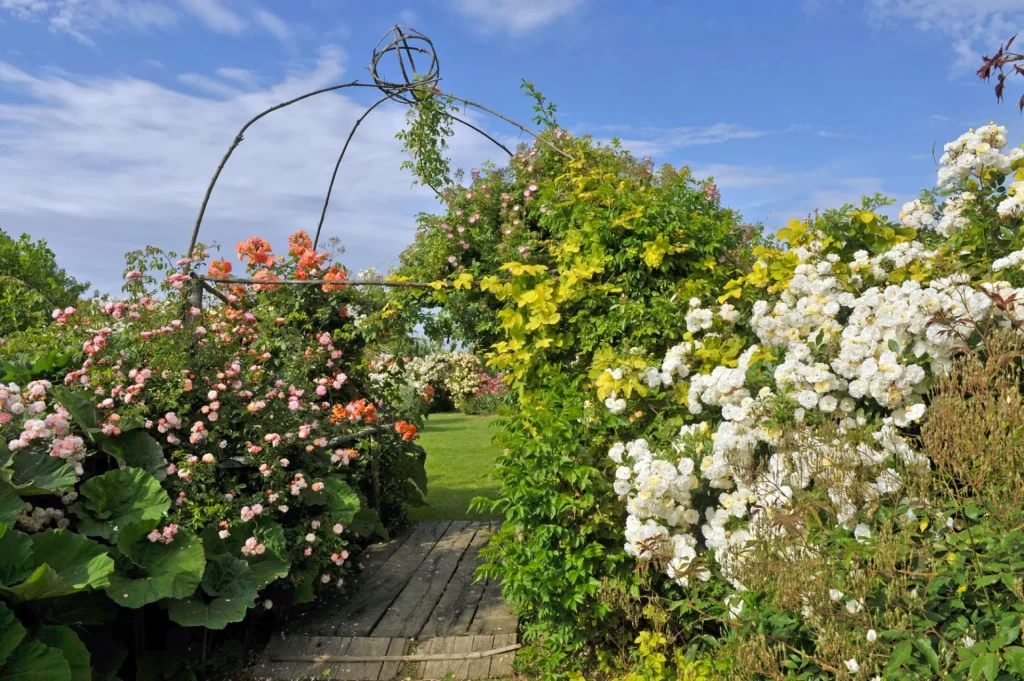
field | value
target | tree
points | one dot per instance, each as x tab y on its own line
31	284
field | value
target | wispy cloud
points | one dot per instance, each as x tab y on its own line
99	166
274	24
217	16
972	26
728	176
514	16
655	141
80	18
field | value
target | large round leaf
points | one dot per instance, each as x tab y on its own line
342	501
10	503
118	498
233	584
272	564
16	561
65	563
81	408
157	570
11	633
33	474
71	647
136	449
35	661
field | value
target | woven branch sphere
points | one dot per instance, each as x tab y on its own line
402	59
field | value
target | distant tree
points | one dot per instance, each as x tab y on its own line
31	284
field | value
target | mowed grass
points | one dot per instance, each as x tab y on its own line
460	459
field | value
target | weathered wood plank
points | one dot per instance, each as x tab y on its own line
407	613
359	615
315	645
459	669
455	610
361	671
426	648
438	669
265	668
390	670
492	615
501	665
479	669
376	555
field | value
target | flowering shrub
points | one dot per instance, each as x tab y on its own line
761	425
193	464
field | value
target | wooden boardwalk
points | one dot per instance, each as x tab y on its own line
415	597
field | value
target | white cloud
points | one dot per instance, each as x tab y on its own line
215	15
973	26
652	141
729	176
515	16
101	166
274	24
242	76
79	18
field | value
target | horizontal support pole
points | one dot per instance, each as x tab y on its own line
315	282
434	657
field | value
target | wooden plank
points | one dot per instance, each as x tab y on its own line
501	665
265	669
407	614
492	615
316	645
376	555
361	671
358	616
439	668
426	648
459	669
479	669
390	670
455	610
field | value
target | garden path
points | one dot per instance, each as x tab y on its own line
415	597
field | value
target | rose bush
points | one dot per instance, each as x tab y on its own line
191	464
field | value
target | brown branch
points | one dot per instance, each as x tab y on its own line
241	135
522	127
334	175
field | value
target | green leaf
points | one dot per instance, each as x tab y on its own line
232	583
367	524
10	503
118	498
66	563
900	654
71	647
11	633
1014	659
894	346
15	557
136	449
271	565
925	646
35	661
342	501
82	409
987	665
34	474
160	570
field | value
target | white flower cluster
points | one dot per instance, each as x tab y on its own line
851	343
36	518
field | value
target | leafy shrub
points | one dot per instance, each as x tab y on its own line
759	407
191	465
31	284
571	248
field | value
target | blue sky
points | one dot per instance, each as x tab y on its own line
114	113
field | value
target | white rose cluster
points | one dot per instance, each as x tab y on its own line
851	342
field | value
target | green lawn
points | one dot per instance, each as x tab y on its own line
460	458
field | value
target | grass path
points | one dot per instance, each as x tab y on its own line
460	458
